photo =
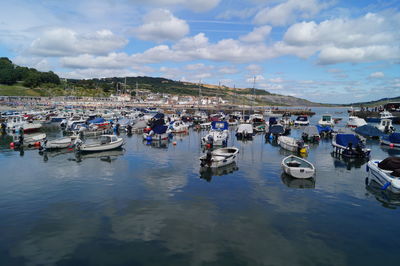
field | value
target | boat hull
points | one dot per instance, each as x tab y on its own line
103	147
383	177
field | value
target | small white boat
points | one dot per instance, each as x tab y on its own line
355	121
386	115
205	125
28	139
106	143
326	120
60	143
302	120
298	167
386	126
15	123
178	126
386	173
219	157
244	131
291	144
218	135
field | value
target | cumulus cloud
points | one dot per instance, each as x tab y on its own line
64	42
254	69
161	25
377	75
370	37
259	34
287	12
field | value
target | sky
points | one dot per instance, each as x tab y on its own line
324	51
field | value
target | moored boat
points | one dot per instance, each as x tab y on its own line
219	157
218	135
392	140
386	173
60	143
349	145
355	121
326	120
302	120
298	167
244	131
106	142
292	144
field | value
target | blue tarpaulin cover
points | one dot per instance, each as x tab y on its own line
276	129
369	131
323	129
158	116
394	138
345	139
219	125
160	129
97	120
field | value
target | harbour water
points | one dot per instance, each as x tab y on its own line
148	204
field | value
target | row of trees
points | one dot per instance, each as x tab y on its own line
30	77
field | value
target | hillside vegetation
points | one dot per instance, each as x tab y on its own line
22	81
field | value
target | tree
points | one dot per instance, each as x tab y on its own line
32	80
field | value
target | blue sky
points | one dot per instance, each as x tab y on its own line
326	51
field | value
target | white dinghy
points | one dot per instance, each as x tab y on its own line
219	157
60	143
298	167
106	143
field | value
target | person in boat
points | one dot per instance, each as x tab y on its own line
129	129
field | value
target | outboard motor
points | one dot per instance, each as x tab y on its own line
129	129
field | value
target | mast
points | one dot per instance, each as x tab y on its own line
254	90
198	102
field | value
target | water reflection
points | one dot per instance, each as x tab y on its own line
340	161
395	151
297	182
105	156
387	198
207	173
158	144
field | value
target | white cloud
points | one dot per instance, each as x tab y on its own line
377	75
287	12
259	34
99	73
161	25
112	60
370	37
254	69
64	42
41	64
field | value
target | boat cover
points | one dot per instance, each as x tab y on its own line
276	129
394	138
219	125
160	129
391	164
97	120
369	131
140	124
311	131
245	128
345	139
272	120
158	116
302	118
323	129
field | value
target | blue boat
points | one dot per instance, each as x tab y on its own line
392	140
369	132
349	145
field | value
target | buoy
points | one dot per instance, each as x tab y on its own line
12	145
174	143
208	145
303	150
36	144
391	145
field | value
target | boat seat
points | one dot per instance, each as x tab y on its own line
293	164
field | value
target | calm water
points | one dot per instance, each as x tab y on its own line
150	205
